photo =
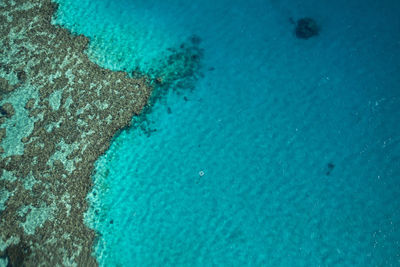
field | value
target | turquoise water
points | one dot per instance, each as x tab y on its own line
286	152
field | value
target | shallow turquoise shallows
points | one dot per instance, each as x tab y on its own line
285	153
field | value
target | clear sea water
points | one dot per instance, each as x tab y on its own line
298	140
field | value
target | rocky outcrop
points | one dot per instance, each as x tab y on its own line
306	28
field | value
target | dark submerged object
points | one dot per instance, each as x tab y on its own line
331	166
21	75
306	28
16	254
3	112
195	39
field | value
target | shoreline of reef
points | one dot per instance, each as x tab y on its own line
59	112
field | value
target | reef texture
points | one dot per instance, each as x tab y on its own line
306	28
59	112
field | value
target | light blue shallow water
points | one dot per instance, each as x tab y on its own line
263	126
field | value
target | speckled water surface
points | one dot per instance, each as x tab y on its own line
262	145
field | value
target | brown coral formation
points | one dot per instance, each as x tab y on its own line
73	108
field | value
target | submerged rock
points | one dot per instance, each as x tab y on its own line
330	167
21	75
30	104
3	133
15	254
3	112
195	40
306	28
7	110
5	87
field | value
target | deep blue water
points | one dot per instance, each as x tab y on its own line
298	139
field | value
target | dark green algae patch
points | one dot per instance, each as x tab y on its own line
58	113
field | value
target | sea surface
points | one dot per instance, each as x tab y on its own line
280	152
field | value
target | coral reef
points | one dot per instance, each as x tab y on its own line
59	112
306	28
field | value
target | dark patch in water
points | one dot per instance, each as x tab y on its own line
6	68
3	112
196	40
137	73
179	70
330	167
147	130
16	254
21	75
306	28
